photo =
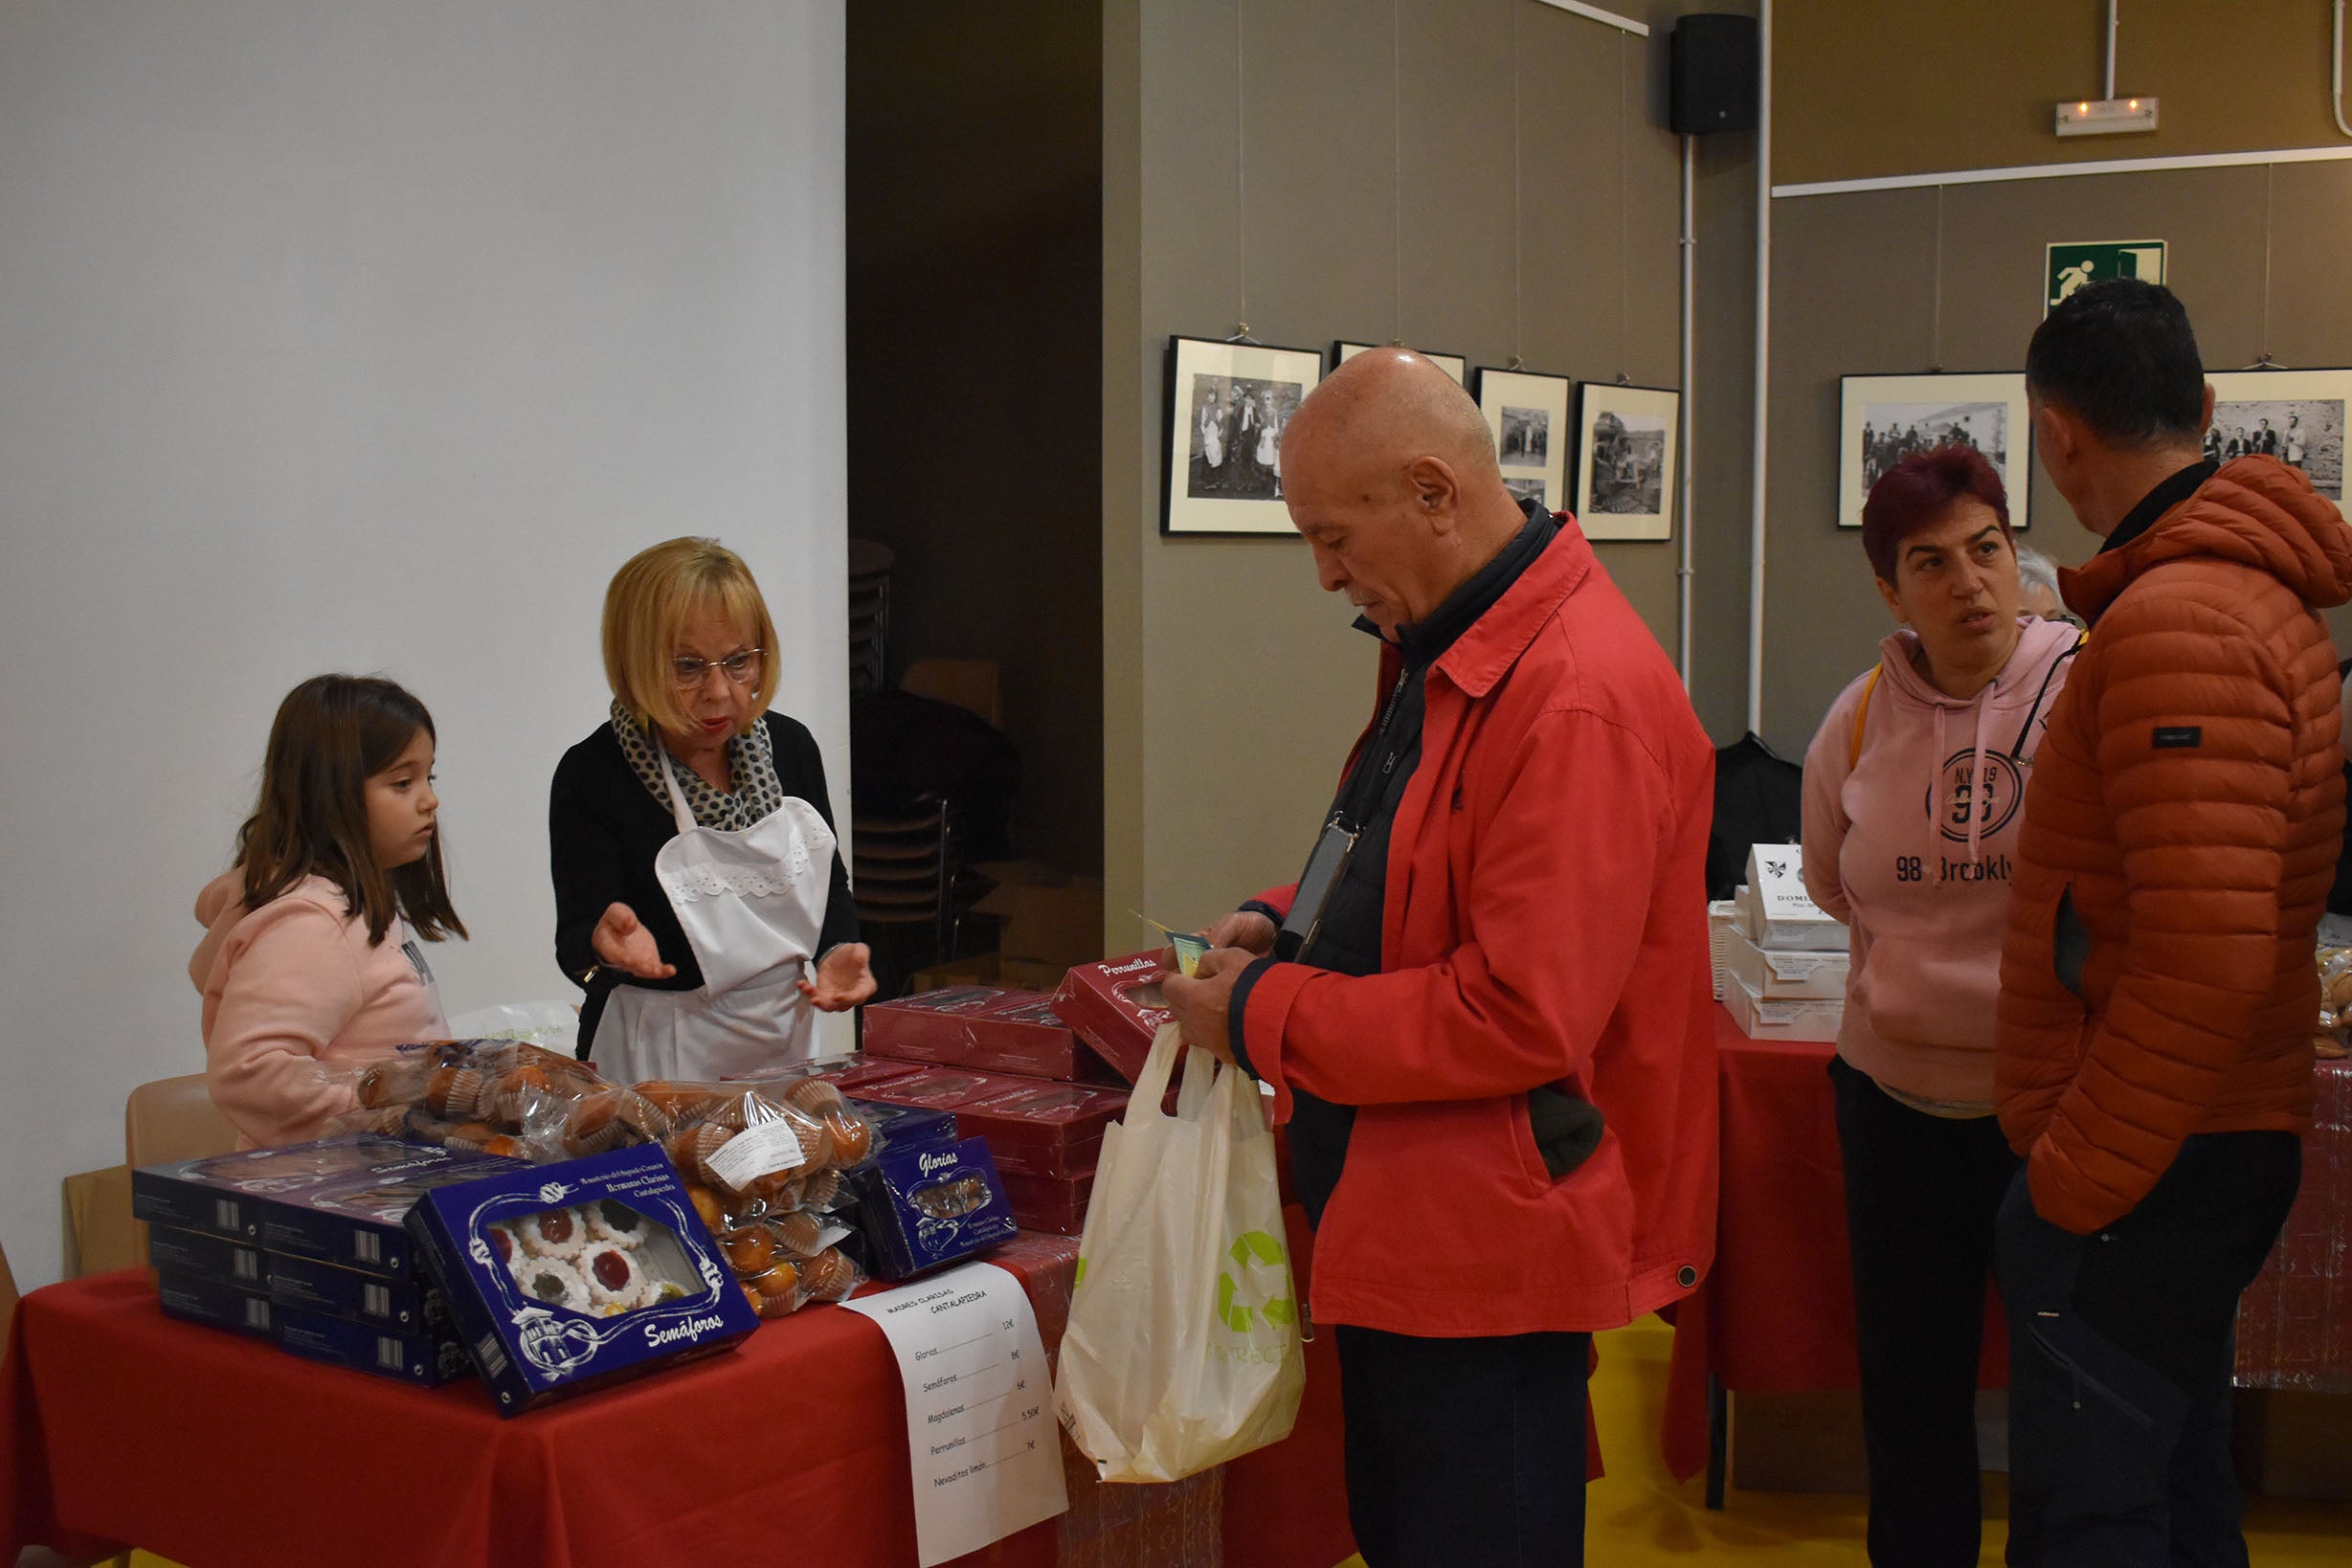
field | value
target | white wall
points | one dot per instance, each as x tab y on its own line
337	334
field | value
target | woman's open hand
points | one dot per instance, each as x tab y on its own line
622	942
844	978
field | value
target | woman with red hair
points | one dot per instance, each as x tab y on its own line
1912	795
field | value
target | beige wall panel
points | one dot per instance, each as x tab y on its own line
1863	88
1378	204
1854	292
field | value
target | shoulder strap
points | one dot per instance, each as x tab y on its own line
1861	714
2017	747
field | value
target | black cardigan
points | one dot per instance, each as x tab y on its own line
604	829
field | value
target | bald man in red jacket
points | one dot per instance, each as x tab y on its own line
1484	1009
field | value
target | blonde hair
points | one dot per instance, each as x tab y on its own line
645	611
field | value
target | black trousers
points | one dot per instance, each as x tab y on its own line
1921	1192
2121	1348
1464	1453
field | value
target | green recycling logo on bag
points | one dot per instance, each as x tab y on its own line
1254	1301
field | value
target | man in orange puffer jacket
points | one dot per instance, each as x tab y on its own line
2158	994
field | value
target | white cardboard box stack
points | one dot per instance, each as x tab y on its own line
1782	967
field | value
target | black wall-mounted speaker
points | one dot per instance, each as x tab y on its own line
1713	62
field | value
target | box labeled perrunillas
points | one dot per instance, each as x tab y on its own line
339	1199
568	1276
1116	1008
990	1027
428	1359
1032	1126
921	1207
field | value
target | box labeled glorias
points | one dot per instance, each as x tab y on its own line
921	1207
427	1359
989	1027
1116	1007
1775	975
908	1125
339	1199
1778	912
569	1276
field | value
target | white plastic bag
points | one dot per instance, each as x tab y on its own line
1183	1350
551	1025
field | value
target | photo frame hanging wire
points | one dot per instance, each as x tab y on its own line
2296	416
1528	413
1453	365
1884	419
1227	405
1626	441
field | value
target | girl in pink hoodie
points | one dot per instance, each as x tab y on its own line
307	966
1912	789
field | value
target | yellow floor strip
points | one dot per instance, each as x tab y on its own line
1637	1516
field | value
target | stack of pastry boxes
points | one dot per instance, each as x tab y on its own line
1010	1070
1782	960
305	1246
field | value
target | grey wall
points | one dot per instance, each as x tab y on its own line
974	154
1337	169
336	335
1854	292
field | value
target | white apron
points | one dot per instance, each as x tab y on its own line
752	903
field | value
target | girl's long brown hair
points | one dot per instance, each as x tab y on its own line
332	734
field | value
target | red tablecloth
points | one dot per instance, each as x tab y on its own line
1776	1315
120	1425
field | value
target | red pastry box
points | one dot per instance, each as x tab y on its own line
1033	1126
1116	1008
989	1027
2294	1323
1054	1204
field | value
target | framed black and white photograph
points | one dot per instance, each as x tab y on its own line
1883	419
2296	416
1626	438
1529	415
1453	365
1228	404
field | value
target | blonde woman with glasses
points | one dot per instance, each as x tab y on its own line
700	898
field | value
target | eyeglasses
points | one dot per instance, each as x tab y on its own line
737	667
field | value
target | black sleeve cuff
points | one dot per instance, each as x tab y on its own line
1237	1008
1259	905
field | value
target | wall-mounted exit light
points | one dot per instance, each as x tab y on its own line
2106	116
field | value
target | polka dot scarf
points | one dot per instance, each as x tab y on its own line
750	759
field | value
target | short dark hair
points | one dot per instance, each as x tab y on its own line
2119	355
1922	488
332	734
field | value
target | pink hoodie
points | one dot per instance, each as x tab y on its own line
296	1001
1922	882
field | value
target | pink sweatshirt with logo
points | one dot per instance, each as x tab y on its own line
1913	847
296	1001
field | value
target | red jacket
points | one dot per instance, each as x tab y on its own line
1545	924
2186	806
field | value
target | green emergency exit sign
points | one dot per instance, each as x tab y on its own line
2074	267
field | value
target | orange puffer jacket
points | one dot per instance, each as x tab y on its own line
2180	833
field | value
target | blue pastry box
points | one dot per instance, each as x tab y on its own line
922	1204
429	1359
339	1199
567	1277
197	1298
895	1126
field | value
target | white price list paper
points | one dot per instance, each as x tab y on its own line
981	1426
